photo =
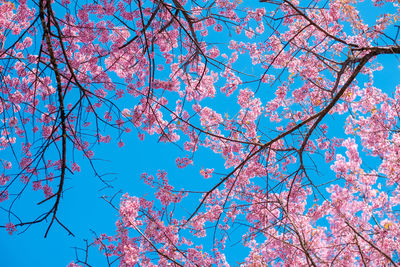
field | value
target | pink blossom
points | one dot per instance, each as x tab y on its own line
10	228
206	173
75	167
47	190
36	185
218	27
183	162
121	143
3	195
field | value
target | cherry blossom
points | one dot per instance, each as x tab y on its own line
284	94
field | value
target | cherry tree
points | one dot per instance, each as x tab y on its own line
296	79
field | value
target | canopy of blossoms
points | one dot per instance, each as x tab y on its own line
298	77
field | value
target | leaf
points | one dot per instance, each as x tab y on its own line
387	225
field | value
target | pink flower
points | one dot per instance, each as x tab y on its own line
206	173
213	52
7	165
75	167
89	154
218	28
10	228
141	136
129	209
36	185
12	121
3	195
72	264
120	143
183	162
249	33
4	179
47	190
126	113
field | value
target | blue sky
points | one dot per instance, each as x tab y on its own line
82	208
